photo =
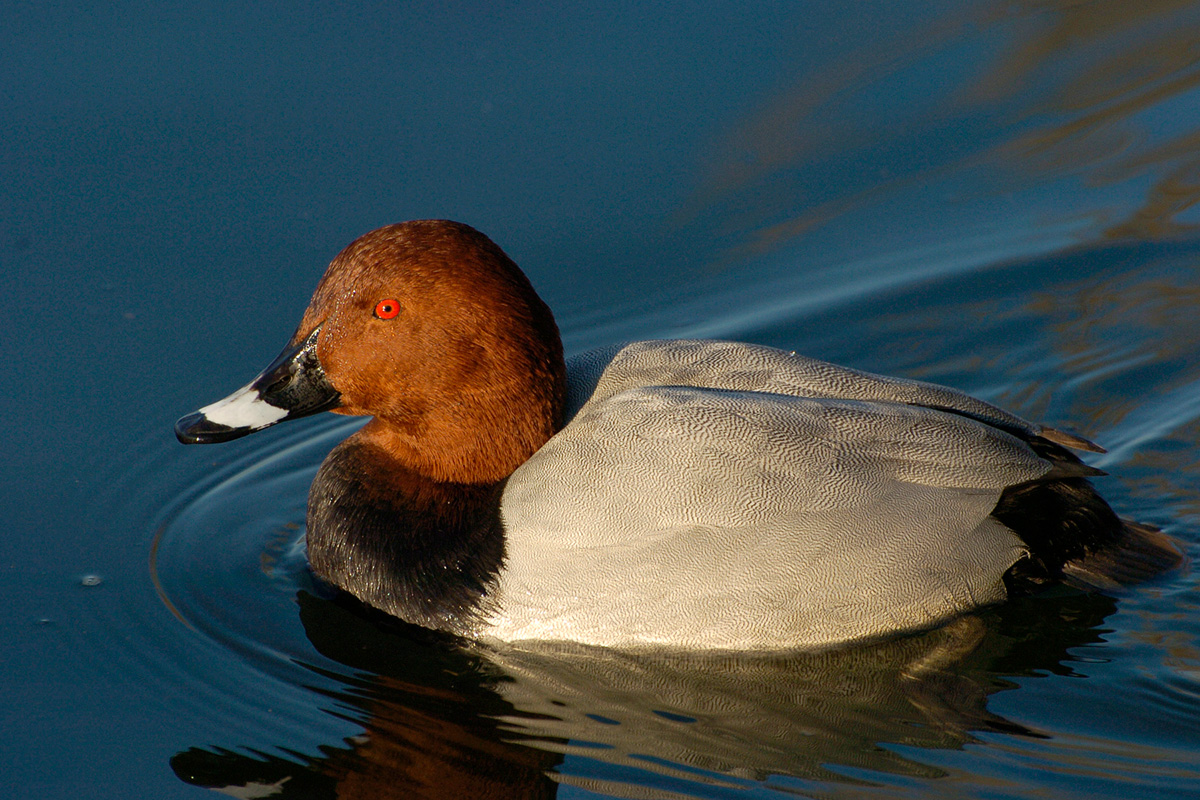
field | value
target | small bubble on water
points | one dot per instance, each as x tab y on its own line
91	580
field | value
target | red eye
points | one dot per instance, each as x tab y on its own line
386	309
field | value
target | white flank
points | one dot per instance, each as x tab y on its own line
243	409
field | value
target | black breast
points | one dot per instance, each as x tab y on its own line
423	551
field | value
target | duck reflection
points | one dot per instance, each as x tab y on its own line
443	720
430	718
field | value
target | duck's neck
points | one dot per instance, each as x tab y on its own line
423	550
473	429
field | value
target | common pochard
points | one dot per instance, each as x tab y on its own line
698	494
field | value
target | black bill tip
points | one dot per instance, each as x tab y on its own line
196	428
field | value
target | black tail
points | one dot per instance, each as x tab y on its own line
1140	553
1073	535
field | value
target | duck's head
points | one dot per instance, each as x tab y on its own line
430	328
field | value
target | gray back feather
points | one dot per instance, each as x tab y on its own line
720	495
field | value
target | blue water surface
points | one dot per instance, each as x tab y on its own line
998	196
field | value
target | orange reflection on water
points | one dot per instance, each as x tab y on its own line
1096	91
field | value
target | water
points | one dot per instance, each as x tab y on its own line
996	196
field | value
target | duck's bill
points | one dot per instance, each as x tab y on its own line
293	386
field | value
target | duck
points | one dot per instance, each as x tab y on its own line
694	494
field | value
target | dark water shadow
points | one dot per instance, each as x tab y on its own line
441	719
